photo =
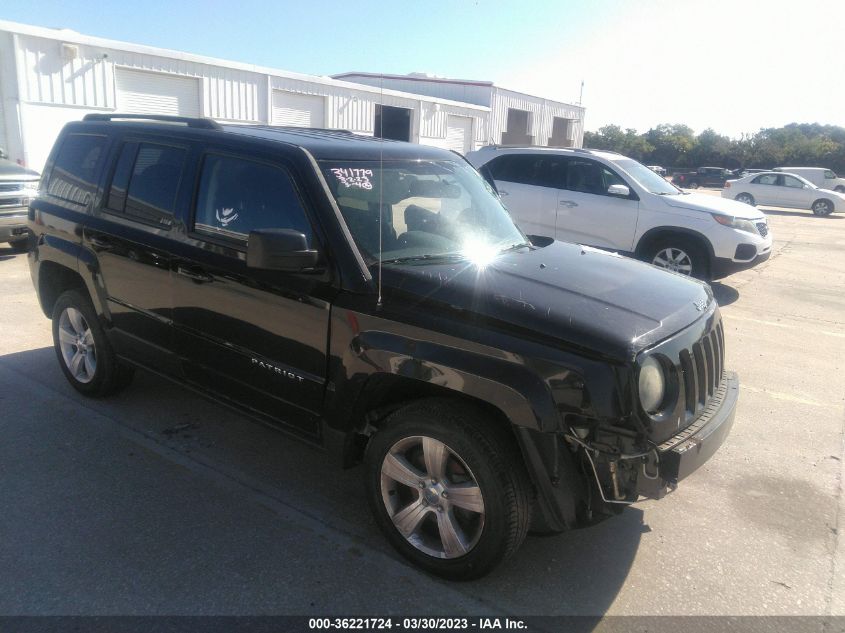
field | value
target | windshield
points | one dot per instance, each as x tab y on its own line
429	210
647	178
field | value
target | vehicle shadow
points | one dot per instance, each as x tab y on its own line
725	295
6	252
578	573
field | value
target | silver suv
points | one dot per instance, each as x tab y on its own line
18	185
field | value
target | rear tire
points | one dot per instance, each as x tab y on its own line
429	455
19	246
822	207
679	254
746	198
692	185
839	189
84	353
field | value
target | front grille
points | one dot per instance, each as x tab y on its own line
11	186
702	370
763	228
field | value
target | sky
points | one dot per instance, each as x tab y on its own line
730	65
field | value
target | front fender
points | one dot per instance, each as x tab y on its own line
533	385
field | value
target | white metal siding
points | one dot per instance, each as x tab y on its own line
459	134
3	139
299	110
156	93
542	112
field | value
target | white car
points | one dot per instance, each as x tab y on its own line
606	200
778	189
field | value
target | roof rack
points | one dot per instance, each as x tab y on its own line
195	122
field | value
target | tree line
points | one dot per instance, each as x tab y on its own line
674	146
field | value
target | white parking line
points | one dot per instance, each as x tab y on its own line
790	397
733	317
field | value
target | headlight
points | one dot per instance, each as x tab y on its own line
652	385
735	223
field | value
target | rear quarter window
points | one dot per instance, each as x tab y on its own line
77	167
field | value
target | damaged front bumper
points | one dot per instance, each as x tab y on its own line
683	453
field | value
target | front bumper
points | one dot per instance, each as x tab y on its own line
723	266
685	452
13	225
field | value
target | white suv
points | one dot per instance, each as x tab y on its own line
604	199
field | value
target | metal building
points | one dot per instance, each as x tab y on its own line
515	118
49	77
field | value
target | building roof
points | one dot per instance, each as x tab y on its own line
416	77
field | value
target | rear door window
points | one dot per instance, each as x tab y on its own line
515	168
792	181
766	179
77	167
238	195
146	181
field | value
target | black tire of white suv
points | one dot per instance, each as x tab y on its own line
679	254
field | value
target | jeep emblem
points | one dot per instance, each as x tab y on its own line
700	304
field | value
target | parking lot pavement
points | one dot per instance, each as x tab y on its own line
157	501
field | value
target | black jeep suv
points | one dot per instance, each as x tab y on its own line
375	298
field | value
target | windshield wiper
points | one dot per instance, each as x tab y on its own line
513	247
420	258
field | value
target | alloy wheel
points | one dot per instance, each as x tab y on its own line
77	345
432	497
673	259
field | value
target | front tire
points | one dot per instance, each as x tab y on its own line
448	488
680	255
19	246
85	354
822	207
746	198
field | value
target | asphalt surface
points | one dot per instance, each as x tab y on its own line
157	501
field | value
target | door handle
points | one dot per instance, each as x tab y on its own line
100	242
194	275
568	203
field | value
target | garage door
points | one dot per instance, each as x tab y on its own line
459	133
297	110
156	93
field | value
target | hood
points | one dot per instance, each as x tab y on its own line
13	171
580	296
830	192
712	204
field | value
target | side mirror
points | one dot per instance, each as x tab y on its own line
279	249
619	190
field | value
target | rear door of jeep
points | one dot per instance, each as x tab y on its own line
130	235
